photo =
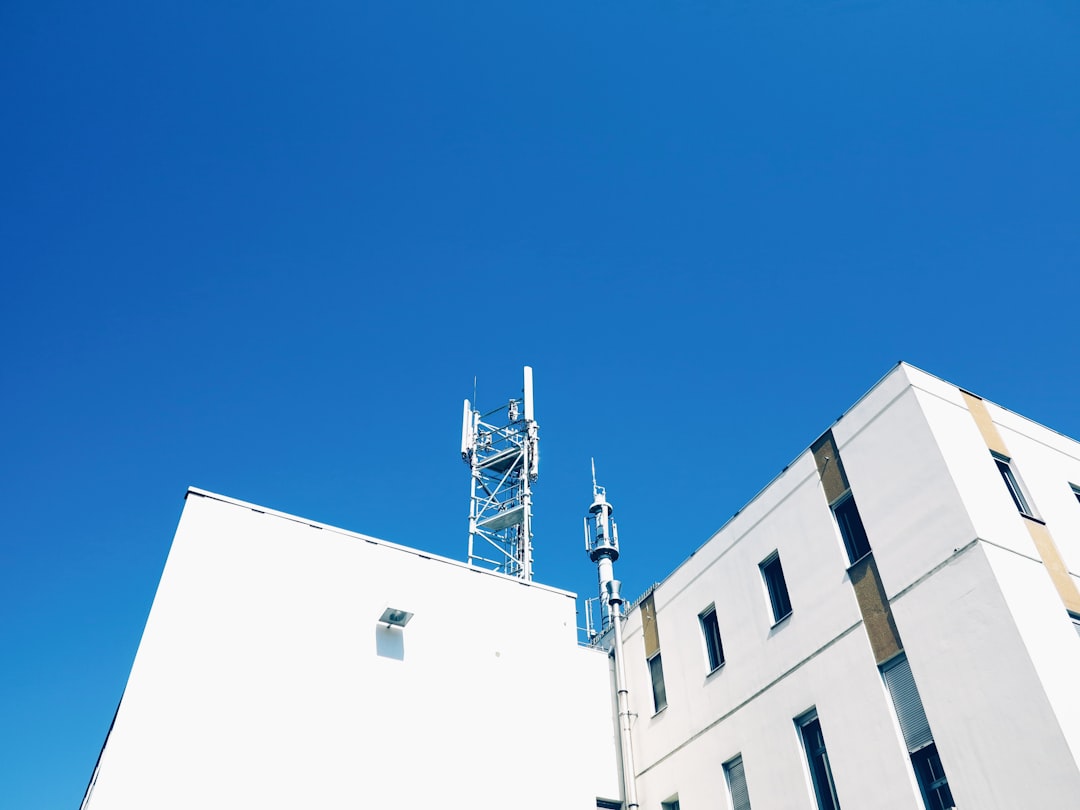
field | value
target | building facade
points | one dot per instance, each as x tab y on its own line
891	623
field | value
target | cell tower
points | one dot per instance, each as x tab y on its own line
602	544
504	459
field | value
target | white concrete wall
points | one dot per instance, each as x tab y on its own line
1037	690
263	680
819	657
1001	740
927	487
905	490
1046	463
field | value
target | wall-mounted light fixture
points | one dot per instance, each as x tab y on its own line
395	617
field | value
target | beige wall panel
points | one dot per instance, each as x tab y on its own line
1055	566
831	471
1048	550
648	625
874	605
986	424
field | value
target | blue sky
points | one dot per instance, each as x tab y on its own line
264	248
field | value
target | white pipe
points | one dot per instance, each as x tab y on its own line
626	750
525	540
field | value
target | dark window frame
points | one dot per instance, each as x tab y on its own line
772	572
656	676
714	647
849	521
1012	484
930	774
817	760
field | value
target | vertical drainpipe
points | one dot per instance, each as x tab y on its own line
626	749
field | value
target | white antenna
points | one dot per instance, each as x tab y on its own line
505	463
602	544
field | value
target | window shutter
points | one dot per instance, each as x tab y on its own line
740	797
908	705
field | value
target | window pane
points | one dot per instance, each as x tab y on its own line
777	587
1010	483
931	778
851	529
818	760
710	627
656	672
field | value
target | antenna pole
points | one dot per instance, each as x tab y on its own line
602	544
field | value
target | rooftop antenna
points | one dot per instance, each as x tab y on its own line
602	545
502	450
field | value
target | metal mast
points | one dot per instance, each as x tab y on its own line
602	544
502	450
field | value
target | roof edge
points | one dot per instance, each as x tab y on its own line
214	496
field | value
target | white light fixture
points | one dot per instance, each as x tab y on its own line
395	617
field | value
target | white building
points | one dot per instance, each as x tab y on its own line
956	564
888	624
273	673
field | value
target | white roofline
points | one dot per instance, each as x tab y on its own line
900	364
202	493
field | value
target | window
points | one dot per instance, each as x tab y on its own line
1004	466
1075	617
851	528
817	758
659	693
1075	491
710	628
670	804
608	804
907	703
916	731
773	575
931	777
736	782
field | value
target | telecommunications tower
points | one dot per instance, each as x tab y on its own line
501	448
602	545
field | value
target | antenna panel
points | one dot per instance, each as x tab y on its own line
528	394
466	430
